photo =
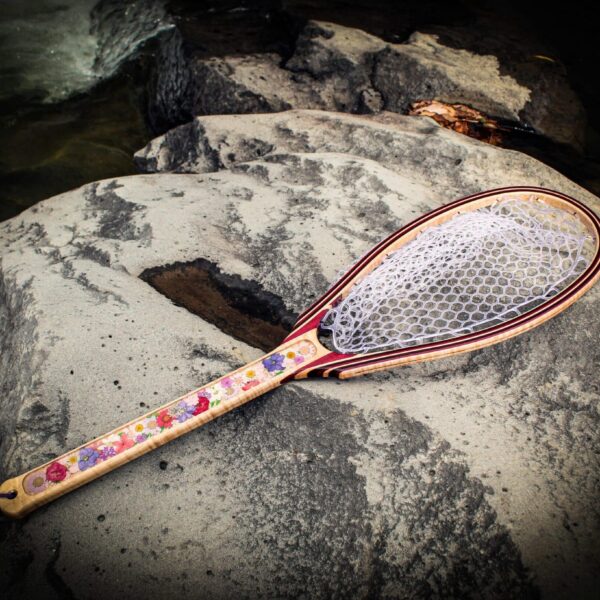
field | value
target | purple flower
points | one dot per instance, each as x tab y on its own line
183	411
87	458
107	452
140	438
273	362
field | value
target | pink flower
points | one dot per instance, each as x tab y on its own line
56	472
226	382
250	384
123	444
299	359
35	483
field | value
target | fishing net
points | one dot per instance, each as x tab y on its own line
476	270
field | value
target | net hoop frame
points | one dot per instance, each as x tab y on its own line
342	366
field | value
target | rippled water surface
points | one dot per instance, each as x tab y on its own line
53	49
47	49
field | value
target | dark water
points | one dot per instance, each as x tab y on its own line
75	73
72	93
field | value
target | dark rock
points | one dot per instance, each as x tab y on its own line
332	67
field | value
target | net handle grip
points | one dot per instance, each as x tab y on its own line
22	494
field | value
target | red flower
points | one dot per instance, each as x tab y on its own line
164	419
203	404
56	472
250	384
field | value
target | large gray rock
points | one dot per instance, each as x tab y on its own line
340	68
476	476
211	143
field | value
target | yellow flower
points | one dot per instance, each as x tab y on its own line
139	427
291	354
72	459
250	373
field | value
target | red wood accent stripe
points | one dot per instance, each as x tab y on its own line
327	359
312	324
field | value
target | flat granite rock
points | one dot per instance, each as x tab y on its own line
475	476
333	67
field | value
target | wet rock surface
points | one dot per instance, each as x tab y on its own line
329	66
475	476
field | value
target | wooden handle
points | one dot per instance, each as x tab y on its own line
20	495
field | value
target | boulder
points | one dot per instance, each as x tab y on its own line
333	67
212	142
474	476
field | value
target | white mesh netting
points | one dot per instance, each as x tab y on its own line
477	270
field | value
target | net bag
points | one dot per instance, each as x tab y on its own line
476	270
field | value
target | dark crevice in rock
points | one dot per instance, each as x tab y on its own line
238	307
57	583
170	84
16	557
528	58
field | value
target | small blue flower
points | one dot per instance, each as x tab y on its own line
87	458
273	363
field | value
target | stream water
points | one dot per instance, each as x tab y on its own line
73	75
71	93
